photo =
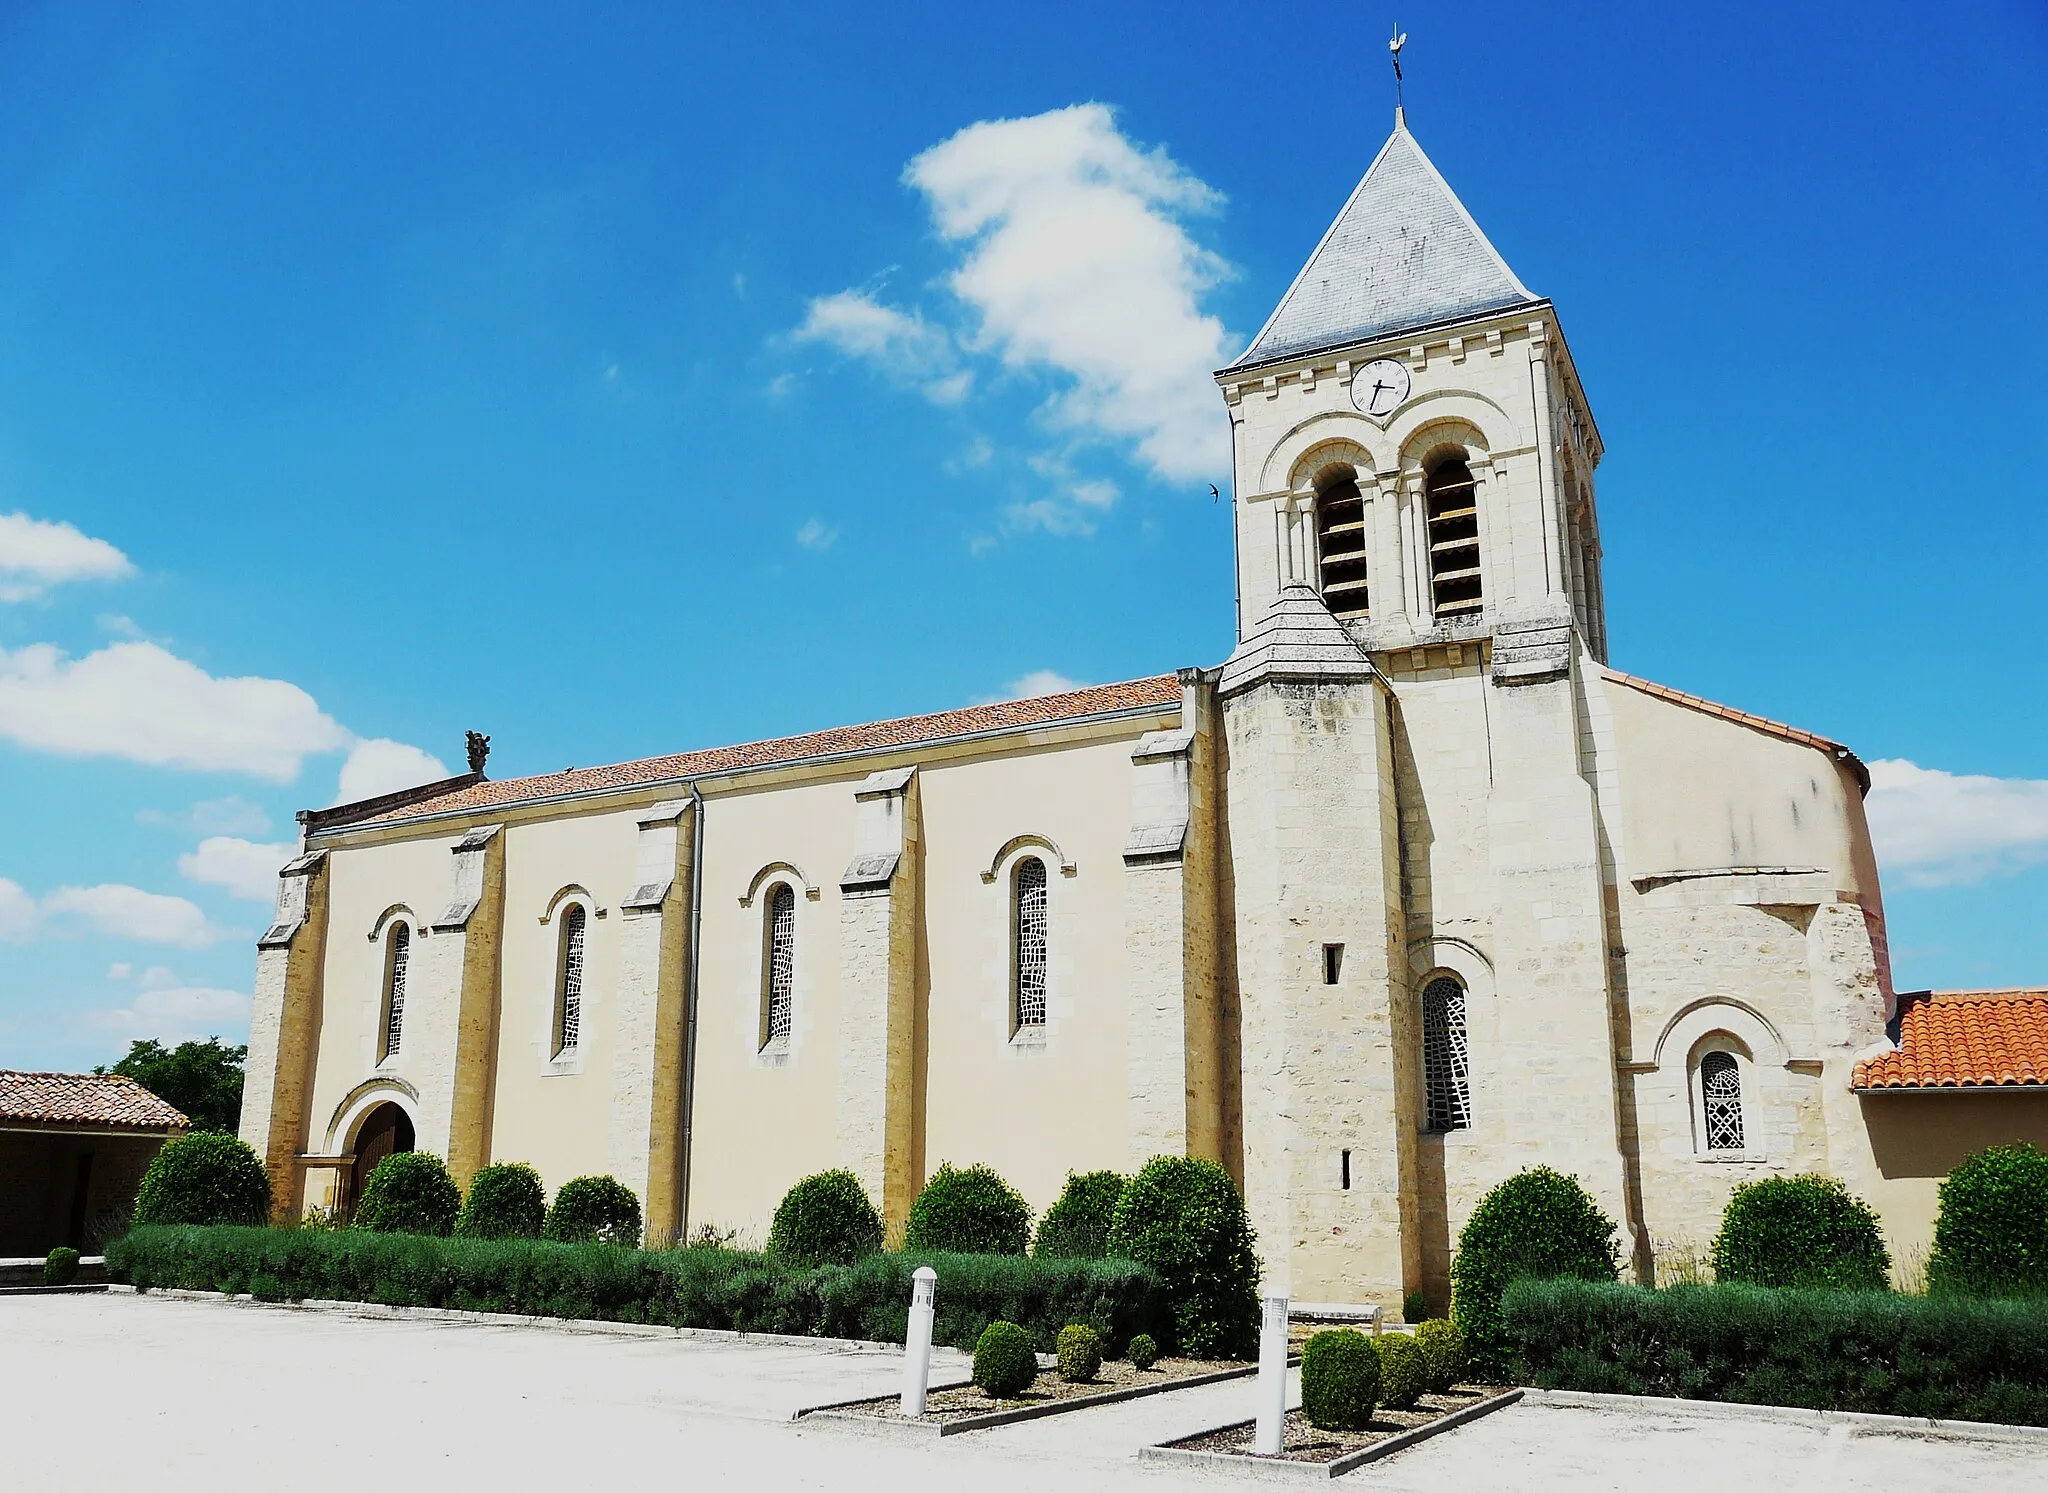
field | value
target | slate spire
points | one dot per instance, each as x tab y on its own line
1403	253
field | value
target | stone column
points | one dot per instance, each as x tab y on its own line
880	921
647	1062
451	1007
284	1023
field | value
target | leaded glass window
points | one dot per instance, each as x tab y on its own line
1446	1072
781	963
1721	1101
1029	937
394	987
570	1025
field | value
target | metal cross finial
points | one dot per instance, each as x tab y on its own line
1394	47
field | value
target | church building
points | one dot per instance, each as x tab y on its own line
1410	892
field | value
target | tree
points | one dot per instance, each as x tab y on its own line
204	1079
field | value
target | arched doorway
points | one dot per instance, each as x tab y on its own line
385	1129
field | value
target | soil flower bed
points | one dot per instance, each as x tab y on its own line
965	1403
1303	1442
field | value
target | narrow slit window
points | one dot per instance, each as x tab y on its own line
1453	503
1028	938
1344	1170
395	961
781	962
1340	542
1721	1101
1333	963
569	994
1446	1072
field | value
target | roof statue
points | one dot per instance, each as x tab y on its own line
479	747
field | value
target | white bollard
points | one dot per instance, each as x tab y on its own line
1272	1427
917	1344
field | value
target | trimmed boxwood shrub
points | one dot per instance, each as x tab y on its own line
1404	1372
1004	1363
1443	1352
730	1289
1340	1380
969	1211
1801	1231
826	1219
1991	1230
1414	1308
1079	1350
505	1201
60	1266
410	1192
1142	1352
1951	1357
601	1209
1536	1223
1183	1218
1077	1226
204	1178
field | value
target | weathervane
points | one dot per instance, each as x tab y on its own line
1400	40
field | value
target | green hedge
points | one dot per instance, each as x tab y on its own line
734	1289
1808	1231
1991	1234
1949	1358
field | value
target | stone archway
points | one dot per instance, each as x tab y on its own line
385	1130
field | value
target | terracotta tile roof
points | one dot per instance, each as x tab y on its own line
1158	692
83	1099
1769	727
1964	1039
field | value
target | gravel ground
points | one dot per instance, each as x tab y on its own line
1302	1442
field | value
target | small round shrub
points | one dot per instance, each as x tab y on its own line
1077	1226
1991	1229
1340	1380
1443	1352
410	1192
1414	1308
971	1211
505	1201
594	1208
1801	1231
60	1266
1536	1223
1079	1350
204	1178
825	1220
1404	1370
1142	1352
1183	1218
1004	1363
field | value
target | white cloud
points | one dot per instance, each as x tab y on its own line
1030	686
137	701
1076	262
1942	828
378	766
816	535
174	1012
19	913
120	971
246	869
902	343
36	554
129	912
232	815
1071	504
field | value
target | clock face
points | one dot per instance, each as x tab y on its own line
1379	388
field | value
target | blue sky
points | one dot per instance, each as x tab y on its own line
369	376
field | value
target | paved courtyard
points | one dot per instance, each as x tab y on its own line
143	1394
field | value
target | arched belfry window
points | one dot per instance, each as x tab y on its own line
1446	1070
778	965
1340	543
397	954
1721	1102
1452	497
569	979
1027	939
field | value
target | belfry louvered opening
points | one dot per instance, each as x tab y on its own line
1340	543
569	980
1452	498
779	974
398	952
1028	939
1446	1065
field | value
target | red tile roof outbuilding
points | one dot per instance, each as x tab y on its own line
1964	1039
91	1101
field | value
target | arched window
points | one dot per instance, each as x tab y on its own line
1027	940
397	953
1446	1075
1721	1101
1453	503
778	965
569	979
1340	542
